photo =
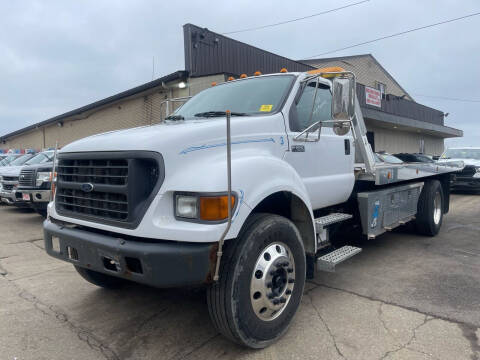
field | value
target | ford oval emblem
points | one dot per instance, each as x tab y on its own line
87	187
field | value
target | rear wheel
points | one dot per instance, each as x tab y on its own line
262	276
430	209
99	279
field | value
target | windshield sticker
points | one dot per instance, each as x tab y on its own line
266	108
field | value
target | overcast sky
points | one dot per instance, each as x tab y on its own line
60	55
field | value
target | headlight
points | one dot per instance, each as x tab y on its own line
43	176
478	170
202	207
186	206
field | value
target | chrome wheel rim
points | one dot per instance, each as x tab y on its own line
437	208
273	280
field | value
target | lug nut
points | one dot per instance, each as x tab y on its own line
289	270
288	292
276	301
291	281
270	296
283	300
269	285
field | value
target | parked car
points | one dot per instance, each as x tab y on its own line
9	176
469	177
383	157
9	158
414	157
35	182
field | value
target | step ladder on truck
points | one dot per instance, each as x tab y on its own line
249	200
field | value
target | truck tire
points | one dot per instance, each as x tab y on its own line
430	209
99	279
262	276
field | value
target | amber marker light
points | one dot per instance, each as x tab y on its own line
214	208
283	70
243	76
214	83
230	78
257	73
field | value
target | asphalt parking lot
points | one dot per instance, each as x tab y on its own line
403	297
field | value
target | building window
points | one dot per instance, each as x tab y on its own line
382	87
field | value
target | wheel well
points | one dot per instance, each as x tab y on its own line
288	205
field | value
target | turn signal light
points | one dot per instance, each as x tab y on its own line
214	208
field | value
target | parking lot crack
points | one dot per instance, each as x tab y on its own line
83	334
198	347
409	342
332	336
469	333
410	308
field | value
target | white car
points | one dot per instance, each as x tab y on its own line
469	178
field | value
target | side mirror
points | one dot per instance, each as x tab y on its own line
435	157
343	102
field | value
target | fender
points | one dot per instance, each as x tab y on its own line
256	175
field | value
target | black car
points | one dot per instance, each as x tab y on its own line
34	182
413	158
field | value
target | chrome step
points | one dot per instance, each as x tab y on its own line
328	261
321	227
331	219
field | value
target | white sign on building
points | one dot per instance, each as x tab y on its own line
373	97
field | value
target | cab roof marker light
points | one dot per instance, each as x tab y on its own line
243	76
283	70
257	73
230	78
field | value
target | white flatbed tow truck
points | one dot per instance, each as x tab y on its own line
246	188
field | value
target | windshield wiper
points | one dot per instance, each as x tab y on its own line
175	117
218	113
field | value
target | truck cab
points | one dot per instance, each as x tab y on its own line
238	189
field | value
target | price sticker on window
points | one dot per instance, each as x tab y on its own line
266	108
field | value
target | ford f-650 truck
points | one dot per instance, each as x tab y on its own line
246	188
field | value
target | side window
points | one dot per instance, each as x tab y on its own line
322	110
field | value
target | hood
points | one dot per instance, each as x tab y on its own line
465	161
169	137
10	170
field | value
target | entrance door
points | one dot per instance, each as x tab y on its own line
326	165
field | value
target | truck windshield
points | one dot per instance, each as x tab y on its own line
462	154
21	160
253	96
41	158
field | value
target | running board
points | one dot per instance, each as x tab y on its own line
328	261
321	227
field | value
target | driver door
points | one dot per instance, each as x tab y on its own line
324	164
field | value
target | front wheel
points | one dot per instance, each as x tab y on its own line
430	209
262	276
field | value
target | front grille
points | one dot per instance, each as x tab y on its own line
468	170
27	178
112	188
10	178
8	187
